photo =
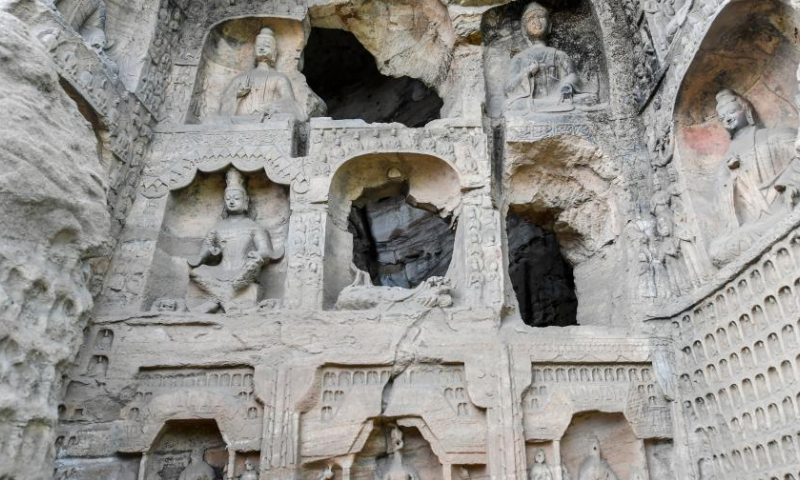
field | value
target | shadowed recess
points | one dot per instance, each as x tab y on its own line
341	71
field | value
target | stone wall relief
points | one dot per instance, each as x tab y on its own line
671	264
225	396
88	18
665	19
534	63
249	74
355	405
462	144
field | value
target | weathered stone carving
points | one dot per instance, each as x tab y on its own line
595	467
542	471
363	295
240	246
397	469
754	172
198	469
250	472
262	93
542	78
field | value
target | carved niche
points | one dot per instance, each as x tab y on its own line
224	395
221	245
532	63
736	125
250	74
433	401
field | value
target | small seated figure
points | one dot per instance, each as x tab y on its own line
594	466
233	253
198	469
540	470
249	471
757	168
262	93
542	78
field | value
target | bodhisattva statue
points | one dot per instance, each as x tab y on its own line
540	470
261	93
198	469
233	253
756	169
542	78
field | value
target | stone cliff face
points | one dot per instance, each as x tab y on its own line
529	240
54	220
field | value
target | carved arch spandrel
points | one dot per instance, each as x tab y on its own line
250	156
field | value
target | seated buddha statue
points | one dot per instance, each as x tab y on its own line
542	78
232	254
261	93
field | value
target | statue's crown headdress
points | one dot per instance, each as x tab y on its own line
534	8
234	180
727	96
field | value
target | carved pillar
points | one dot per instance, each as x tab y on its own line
347	463
142	466
480	232
231	462
305	250
557	460
506	436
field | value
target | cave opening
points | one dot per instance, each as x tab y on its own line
542	278
344	74
399	243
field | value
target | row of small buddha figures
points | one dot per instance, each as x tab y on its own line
593	467
540	79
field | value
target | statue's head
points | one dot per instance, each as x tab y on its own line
539	456
248	465
266	46
594	448
734	111
536	20
236	200
95	37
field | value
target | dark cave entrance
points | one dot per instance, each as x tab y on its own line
341	71
397	243
542	279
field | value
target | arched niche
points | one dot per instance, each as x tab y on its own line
193	211
428	183
619	448
229	50
575	30
565	185
752	49
173	447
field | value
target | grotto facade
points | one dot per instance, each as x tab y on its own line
399	239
